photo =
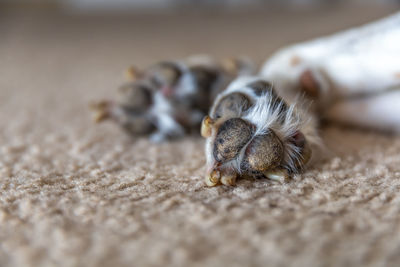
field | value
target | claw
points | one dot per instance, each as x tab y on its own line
228	178
213	178
132	73
280	175
101	110
98	105
229	65
206	126
101	116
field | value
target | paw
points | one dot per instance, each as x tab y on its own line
252	132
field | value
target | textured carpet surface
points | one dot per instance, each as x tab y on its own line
77	194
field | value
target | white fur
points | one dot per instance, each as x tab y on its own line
354	63
162	114
186	86
381	111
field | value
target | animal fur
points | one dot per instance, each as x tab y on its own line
352	76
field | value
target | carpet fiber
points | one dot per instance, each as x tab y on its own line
78	194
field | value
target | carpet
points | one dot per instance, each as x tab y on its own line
77	194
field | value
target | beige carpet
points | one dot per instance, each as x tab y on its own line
78	194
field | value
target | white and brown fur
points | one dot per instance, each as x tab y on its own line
267	112
352	77
196	82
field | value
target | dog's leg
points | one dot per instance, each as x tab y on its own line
354	62
380	112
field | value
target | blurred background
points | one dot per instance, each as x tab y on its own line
146	30
52	51
164	5
176	28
